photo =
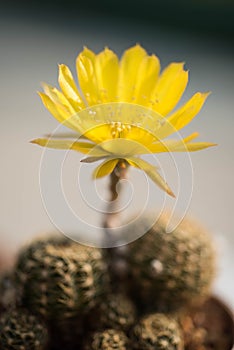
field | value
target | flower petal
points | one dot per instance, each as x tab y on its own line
196	146
169	88
183	145
58	97
64	135
69	87
105	168
124	114
99	133
107	70
97	152
188	111
106	132
60	112
122	147
129	65
147	76
183	115
83	147
191	137
86	71
93	159
152	172
172	145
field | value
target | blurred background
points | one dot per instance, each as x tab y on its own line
36	36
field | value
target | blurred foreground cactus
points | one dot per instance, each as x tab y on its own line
171	269
22	331
157	331
8	293
117	312
66	287
110	339
59	281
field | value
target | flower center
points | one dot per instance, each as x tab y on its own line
119	130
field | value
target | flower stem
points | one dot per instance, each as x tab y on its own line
112	214
115	255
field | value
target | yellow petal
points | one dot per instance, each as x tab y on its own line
63	135
147	76
169	88
140	135
188	111
123	148
69	87
105	168
191	137
152	172
83	147
172	145
60	112
58	97
93	159
183	145
183	115
86	71
197	146
98	151
106	132
129	65
106	115
99	133
107	70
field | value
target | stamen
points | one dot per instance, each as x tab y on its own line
119	130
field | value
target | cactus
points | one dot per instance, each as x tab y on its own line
157	332
60	280
109	339
169	270
116	311
8	293
20	330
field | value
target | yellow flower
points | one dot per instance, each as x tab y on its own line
122	110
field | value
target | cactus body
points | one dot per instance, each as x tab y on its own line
20	330
60	281
109	339
169	270
8	293
157	332
116	311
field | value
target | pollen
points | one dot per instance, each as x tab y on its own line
119	130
